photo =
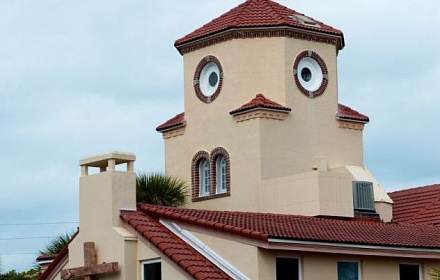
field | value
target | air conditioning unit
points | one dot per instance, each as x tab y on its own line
363	196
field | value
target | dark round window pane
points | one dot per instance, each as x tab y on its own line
213	79
306	74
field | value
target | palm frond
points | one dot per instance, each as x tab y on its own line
160	189
56	244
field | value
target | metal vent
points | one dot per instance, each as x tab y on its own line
363	195
305	20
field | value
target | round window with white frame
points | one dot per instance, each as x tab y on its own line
208	79
310	74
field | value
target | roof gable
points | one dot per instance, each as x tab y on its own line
259	14
172	246
260	101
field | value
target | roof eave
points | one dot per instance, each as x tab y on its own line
180	45
354	249
353	120
172	127
247	110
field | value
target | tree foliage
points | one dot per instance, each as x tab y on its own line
31	274
160	189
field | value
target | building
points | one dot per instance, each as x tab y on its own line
278	185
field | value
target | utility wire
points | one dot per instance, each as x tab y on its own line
26	237
13	254
37	224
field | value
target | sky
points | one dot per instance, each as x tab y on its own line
83	77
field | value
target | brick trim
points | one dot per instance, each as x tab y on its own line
321	63
219	151
195	174
241	33
199	68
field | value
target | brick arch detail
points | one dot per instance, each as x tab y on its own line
195	174
219	151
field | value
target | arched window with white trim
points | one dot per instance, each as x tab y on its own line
210	175
221	181
204	177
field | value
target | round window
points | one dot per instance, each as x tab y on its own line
310	74
208	79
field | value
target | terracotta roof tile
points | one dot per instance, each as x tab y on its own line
178	120
417	205
263	226
176	249
345	112
260	101
46	257
257	13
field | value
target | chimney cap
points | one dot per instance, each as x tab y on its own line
101	160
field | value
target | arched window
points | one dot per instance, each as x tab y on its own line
204	177
221	174
220	171
200	175
210	175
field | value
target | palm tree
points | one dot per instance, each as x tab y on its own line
56	245
160	189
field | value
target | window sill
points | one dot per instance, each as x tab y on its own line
212	196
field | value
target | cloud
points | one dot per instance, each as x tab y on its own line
82	77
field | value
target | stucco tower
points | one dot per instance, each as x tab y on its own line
263	129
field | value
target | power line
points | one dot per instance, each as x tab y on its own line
38	224
13	254
26	237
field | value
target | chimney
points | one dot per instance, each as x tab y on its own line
105	192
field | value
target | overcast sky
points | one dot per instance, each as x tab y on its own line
84	77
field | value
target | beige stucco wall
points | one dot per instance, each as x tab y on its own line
324	266
148	252
263	149
242	256
312	193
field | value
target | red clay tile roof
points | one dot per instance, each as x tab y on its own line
46	257
260	101
258	13
178	120
177	250
345	112
262	226
417	205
